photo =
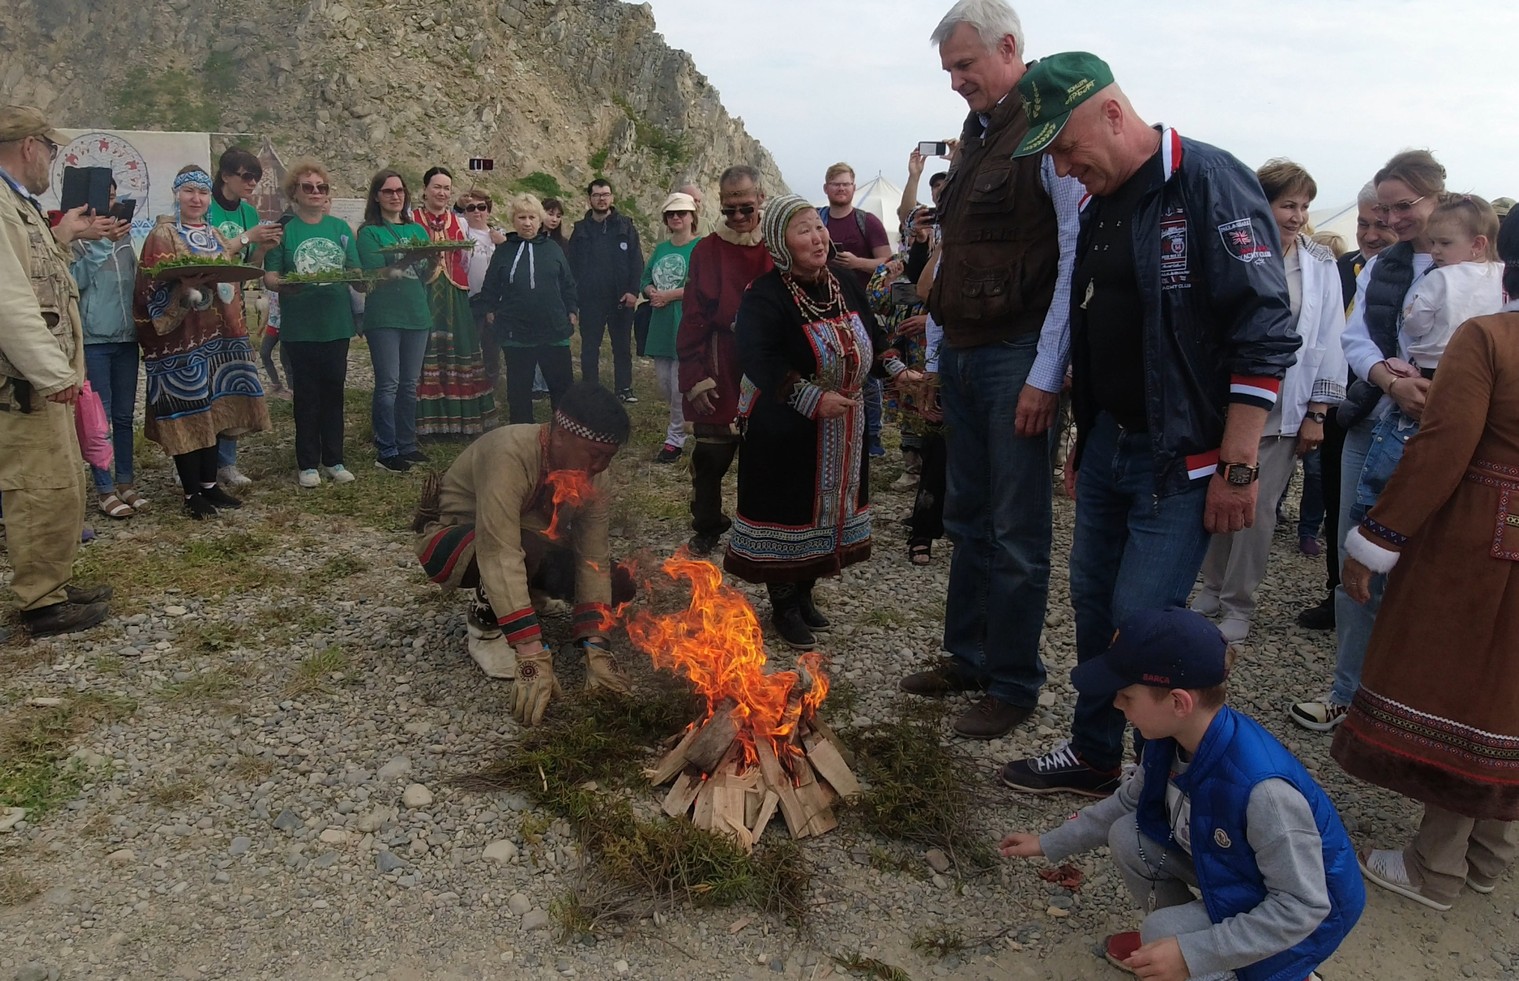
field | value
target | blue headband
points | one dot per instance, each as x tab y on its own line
196	178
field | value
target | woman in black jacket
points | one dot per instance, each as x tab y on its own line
529	292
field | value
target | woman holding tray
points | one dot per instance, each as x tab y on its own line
316	321
396	319
202	380
454	398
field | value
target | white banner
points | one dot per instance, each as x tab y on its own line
143	162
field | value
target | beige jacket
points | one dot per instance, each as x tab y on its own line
41	334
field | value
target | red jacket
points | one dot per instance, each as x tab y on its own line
720	273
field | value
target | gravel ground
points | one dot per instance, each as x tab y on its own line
270	795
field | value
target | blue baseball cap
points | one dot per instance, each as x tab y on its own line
1171	648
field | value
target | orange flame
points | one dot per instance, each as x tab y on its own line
571	488
717	642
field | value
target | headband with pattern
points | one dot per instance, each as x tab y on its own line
580	429
196	178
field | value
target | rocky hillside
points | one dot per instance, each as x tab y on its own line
554	91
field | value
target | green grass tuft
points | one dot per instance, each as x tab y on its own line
35	770
856	963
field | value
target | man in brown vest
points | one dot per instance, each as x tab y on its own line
41	370
1002	298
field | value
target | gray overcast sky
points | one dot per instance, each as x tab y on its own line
1337	86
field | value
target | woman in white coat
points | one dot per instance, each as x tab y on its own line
1236	563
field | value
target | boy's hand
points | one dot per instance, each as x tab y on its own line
1020	844
1159	961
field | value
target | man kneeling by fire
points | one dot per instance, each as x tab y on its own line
521	517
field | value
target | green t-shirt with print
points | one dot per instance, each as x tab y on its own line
400	304
233	224
667	269
315	313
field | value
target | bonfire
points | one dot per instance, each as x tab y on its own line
761	746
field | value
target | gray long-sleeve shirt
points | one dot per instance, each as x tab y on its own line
1280	828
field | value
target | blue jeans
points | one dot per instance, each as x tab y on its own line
1310	508
112	371
1353	621
397	359
997	512
1130	551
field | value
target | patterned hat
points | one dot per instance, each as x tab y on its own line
778	214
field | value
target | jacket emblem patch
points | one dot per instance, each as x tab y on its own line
1221	838
1241	242
1173	253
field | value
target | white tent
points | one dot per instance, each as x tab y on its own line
1340	221
879	197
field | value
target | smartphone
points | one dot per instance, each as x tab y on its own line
904	293
930	148
833	251
124	209
930	215
284	219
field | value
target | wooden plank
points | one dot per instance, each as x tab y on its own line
822	729
682	793
714	739
702	815
753	798
673	761
766	812
826	760
815	800
775	778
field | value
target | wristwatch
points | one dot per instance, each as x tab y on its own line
1318	417
1238	474
243	239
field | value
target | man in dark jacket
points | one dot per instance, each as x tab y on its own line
1181	332
607	262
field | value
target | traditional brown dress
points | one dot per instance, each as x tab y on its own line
1437	715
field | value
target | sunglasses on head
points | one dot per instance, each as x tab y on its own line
738	209
477	206
315	188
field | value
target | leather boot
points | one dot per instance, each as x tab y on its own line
786	615
811	615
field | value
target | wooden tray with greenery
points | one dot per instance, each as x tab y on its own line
408	251
328	277
196	267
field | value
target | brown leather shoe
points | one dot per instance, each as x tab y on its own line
944	678
990	718
64	618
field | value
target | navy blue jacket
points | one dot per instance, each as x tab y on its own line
1217	318
1234	756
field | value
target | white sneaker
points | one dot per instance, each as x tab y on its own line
1205	603
489	650
338	474
308	478
233	477
1320	716
1234	629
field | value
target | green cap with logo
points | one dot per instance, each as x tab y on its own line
1052	89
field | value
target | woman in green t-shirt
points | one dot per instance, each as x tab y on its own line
316	321
396	321
664	284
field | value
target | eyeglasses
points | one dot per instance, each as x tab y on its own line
738	209
52	148
478	206
839	184
1401	208
602	194
392	190
310	188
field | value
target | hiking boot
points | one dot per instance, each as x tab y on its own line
64	618
703	544
944	678
1120	947
793	628
1320	716
991	718
1319	617
1060	771
85	595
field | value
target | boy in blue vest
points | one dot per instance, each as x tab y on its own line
1216	805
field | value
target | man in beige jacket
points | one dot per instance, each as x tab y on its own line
41	371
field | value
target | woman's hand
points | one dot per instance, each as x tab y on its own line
659	299
915	163
498	236
833	405
1409	393
913	326
266	235
1356	579
1309	435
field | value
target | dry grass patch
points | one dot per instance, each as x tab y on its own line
318	671
16	889
35	771
210	566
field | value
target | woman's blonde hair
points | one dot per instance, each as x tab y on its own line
520	204
299	169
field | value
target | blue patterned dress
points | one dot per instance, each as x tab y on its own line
202	380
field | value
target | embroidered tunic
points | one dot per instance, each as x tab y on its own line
454	398
202	380
1437	716
803	482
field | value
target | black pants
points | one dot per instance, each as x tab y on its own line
318	372
196	469
709	464
520	362
1329	468
598	316
927	521
489	355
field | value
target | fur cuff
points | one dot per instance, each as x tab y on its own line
705	385
1368	553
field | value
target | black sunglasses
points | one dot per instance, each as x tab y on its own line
477	207
738	209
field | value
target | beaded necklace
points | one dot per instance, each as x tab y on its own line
832	305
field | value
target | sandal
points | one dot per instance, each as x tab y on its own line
920	551
115	507
131	498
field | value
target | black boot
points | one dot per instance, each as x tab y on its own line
811	615
219	498
786	615
197	507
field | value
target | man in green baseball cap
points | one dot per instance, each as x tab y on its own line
1051	91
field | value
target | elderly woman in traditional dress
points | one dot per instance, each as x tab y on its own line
1437	713
202	380
455	397
807	341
